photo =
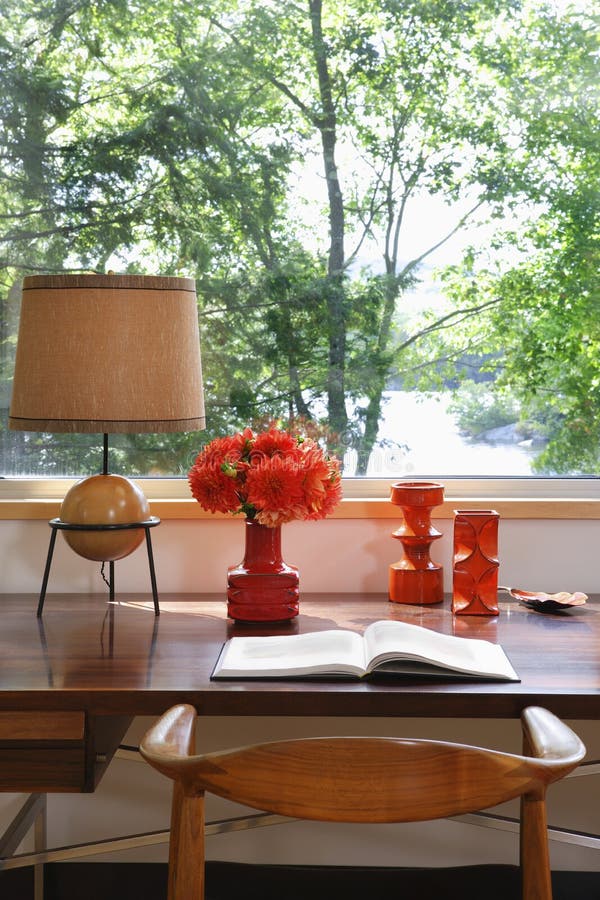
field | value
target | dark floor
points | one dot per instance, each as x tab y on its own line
232	881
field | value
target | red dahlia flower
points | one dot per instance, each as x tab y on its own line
272	477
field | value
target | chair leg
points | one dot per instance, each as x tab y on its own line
186	847
535	856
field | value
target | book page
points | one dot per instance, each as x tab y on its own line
320	652
387	641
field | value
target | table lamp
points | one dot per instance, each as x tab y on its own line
107	354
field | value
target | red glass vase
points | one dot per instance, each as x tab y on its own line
415	578
475	568
263	588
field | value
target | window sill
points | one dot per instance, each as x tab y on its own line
349	508
364	498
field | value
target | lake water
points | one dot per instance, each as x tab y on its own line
434	445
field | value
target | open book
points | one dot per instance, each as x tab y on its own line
386	647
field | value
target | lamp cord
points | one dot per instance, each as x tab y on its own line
104	578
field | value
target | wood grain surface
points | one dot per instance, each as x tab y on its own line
119	659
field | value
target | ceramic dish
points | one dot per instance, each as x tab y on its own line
543	602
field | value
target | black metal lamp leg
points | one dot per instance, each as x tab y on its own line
58	525
152	572
46	572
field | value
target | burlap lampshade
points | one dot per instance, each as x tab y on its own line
108	353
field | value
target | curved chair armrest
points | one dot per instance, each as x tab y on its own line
170	739
547	738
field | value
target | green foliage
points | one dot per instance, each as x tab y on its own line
168	136
479	408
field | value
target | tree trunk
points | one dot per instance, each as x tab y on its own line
377	386
327	125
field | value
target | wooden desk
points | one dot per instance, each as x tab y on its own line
98	665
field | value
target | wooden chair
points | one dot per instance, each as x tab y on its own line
360	779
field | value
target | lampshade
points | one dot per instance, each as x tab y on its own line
107	353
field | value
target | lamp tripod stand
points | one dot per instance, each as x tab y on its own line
58	524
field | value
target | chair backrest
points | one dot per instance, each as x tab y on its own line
363	779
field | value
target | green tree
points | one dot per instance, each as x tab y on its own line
365	82
151	162
543	305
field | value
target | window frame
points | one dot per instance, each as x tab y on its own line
521	498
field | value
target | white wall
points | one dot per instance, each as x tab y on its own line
335	555
346	555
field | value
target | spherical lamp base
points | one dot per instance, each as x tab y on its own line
104	500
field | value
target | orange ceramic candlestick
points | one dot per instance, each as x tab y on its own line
415	578
475	572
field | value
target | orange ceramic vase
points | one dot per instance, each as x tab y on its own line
475	568
415	578
263	588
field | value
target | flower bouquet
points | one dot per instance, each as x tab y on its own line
271	478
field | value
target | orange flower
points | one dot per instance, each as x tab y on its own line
322	484
272	477
274	488
213	489
274	441
333	491
230	449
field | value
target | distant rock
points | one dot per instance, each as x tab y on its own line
504	434
512	434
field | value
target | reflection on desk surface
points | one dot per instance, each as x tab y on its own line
120	658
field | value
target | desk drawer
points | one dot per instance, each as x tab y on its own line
42	751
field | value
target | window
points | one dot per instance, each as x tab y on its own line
391	211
